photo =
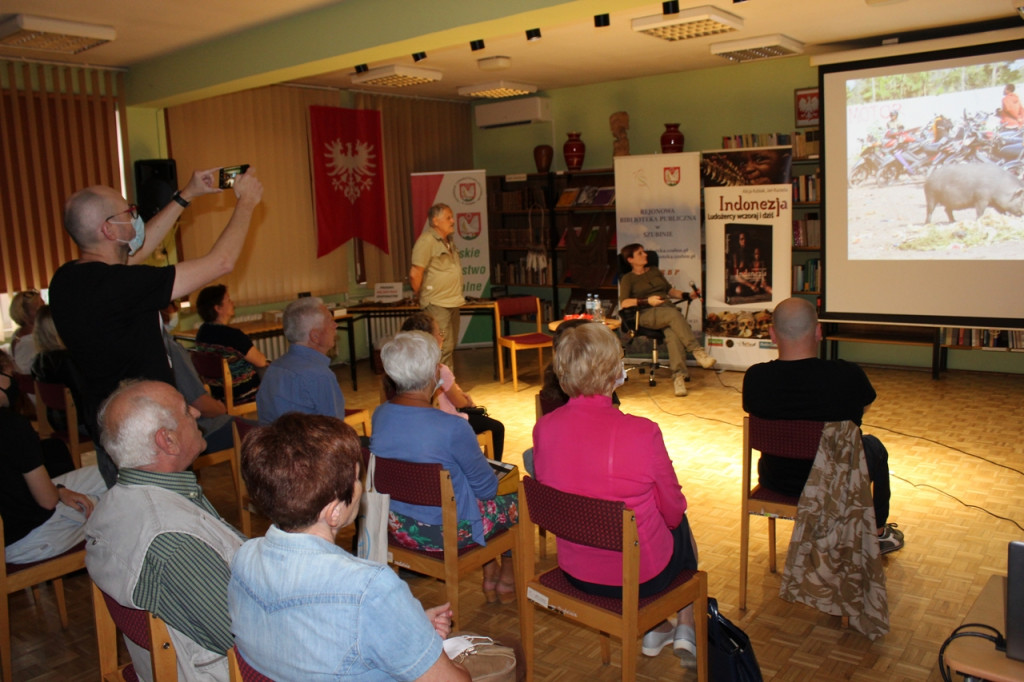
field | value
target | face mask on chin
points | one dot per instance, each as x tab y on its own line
170	324
622	377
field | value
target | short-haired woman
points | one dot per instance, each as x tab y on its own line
588	447
409	428
301	606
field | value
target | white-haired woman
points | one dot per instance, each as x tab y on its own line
588	447
408	427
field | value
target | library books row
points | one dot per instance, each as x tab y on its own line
586	196
517	199
807	277
807	231
985	339
806	143
807	188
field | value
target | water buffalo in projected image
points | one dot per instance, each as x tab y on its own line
950	151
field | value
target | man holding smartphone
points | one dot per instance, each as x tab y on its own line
106	305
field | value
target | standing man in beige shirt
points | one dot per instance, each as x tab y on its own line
436	276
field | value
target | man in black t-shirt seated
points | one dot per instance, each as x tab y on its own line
216	309
799	385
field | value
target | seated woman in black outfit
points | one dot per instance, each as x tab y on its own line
216	309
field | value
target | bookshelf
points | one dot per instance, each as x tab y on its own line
807	261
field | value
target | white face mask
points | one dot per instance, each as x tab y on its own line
622	377
136	242
170	324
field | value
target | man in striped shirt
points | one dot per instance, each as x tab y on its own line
155	542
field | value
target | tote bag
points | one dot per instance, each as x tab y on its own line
373	520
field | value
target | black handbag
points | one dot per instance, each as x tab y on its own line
730	654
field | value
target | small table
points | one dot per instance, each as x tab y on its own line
976	656
609	322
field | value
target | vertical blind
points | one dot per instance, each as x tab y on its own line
59	132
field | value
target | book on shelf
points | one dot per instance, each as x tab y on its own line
807	144
605	197
561	240
568	197
586	196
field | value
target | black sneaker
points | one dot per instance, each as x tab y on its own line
891	539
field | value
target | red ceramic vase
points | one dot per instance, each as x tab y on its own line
542	155
671	139
574	150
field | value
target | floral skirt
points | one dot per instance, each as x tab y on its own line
498	514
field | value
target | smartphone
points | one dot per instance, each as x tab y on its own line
228	173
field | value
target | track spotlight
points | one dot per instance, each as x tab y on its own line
476	45
533	34
362	68
419	56
670	7
601	20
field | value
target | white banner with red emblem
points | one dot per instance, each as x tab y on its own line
465	192
657	204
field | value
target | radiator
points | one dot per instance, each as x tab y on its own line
384	328
272	346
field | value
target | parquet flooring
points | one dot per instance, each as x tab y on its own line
928	427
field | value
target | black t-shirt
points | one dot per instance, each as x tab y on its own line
20	453
813	389
109	318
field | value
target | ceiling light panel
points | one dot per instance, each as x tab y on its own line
497	89
396	76
696	22
753	49
26	32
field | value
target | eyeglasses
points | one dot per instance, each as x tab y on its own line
132	210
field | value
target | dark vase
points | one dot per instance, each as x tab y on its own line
671	139
542	155
574	150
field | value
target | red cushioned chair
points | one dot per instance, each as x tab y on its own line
142	628
528	306
603	524
796	439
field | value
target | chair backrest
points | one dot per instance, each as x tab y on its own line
141	627
409	482
211	367
240	669
792	438
584	520
518	305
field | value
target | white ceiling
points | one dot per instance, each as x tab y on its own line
575	53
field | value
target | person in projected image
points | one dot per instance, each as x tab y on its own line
799	385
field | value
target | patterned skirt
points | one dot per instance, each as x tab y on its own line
498	514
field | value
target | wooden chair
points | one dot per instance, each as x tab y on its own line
241	671
214	370
486	441
796	439
142	628
604	524
58	397
431	485
239	430
519	306
17	577
219	457
356	418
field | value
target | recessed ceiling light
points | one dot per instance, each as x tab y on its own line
497	89
27	32
761	47
396	76
497	63
696	22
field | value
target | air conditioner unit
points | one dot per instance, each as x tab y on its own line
513	112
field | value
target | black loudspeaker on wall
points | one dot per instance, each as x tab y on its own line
156	180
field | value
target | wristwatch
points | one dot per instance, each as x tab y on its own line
180	200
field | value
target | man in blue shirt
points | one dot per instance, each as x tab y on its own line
301	380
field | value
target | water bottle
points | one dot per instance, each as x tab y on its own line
598	309
590	305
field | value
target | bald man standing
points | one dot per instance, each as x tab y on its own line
799	385
106	305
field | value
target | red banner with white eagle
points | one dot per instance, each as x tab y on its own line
348	177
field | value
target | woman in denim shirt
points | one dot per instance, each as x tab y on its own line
302	608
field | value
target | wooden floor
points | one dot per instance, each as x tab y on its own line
936	432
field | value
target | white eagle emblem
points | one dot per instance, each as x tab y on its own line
351	167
